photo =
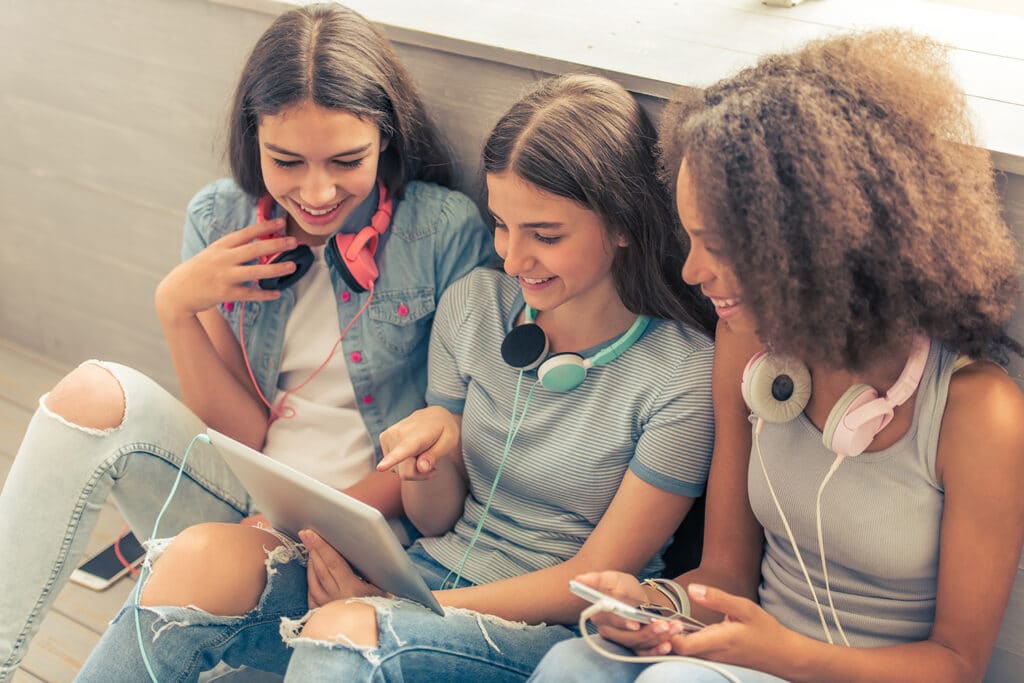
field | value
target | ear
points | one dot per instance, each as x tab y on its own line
621	241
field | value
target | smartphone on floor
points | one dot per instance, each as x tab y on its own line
103	569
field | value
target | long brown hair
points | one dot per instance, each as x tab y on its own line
585	138
854	209
331	56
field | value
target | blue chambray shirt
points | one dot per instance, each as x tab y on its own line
436	237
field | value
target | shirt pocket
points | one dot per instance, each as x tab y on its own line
232	312
402	318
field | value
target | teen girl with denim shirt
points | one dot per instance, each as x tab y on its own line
586	233
325	120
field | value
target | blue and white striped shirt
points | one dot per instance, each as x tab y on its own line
648	410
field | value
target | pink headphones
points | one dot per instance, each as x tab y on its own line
350	254
776	388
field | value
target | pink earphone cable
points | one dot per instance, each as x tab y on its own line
120	555
279	410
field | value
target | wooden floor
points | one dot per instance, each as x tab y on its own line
79	615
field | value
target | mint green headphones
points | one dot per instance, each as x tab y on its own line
526	348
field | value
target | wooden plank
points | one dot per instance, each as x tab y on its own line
22	676
25	375
59	649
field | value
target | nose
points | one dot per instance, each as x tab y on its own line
318	189
696	270
514	249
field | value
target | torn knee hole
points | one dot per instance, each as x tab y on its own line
90	398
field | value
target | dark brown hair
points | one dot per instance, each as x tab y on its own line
331	56
585	138
854	209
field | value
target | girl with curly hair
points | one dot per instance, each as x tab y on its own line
850	238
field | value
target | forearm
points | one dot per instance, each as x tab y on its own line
381	490
540	596
434	505
208	387
806	660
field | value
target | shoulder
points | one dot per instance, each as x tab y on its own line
480	288
984	406
681	345
220	207
429	209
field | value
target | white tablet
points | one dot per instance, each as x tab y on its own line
293	501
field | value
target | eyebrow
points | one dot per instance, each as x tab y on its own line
347	153
537	225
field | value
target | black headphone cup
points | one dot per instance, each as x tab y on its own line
301	256
524	346
337	263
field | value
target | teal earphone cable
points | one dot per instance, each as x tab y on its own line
145	565
512	432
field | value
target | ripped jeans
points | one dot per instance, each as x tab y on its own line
415	644
64	473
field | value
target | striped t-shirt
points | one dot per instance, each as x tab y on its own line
649	411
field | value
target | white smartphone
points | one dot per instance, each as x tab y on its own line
103	569
613	605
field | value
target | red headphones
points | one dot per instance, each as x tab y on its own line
351	254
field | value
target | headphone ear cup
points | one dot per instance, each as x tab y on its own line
776	388
853	421
301	256
525	346
562	372
358	273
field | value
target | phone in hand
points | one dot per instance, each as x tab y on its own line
103	569
613	605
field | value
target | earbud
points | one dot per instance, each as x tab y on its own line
205	438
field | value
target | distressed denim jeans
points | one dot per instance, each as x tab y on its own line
415	644
574	661
64	473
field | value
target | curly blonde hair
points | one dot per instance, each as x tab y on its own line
856	211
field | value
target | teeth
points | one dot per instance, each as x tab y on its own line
722	303
320	212
535	281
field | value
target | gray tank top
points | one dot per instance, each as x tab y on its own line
880	519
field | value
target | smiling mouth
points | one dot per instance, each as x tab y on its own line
319	212
725	303
537	281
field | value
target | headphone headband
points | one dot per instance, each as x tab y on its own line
907	382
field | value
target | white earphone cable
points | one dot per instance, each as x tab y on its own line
642	659
789	532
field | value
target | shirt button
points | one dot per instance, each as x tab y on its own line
403	310
356	357
367	399
346	296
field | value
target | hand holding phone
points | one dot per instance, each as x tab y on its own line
613	605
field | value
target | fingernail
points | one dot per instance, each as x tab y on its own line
664	648
660	627
632	626
697	591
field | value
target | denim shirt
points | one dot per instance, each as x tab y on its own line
436	236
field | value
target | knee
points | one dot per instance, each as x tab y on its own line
671	672
219	568
568	661
354	622
89	396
